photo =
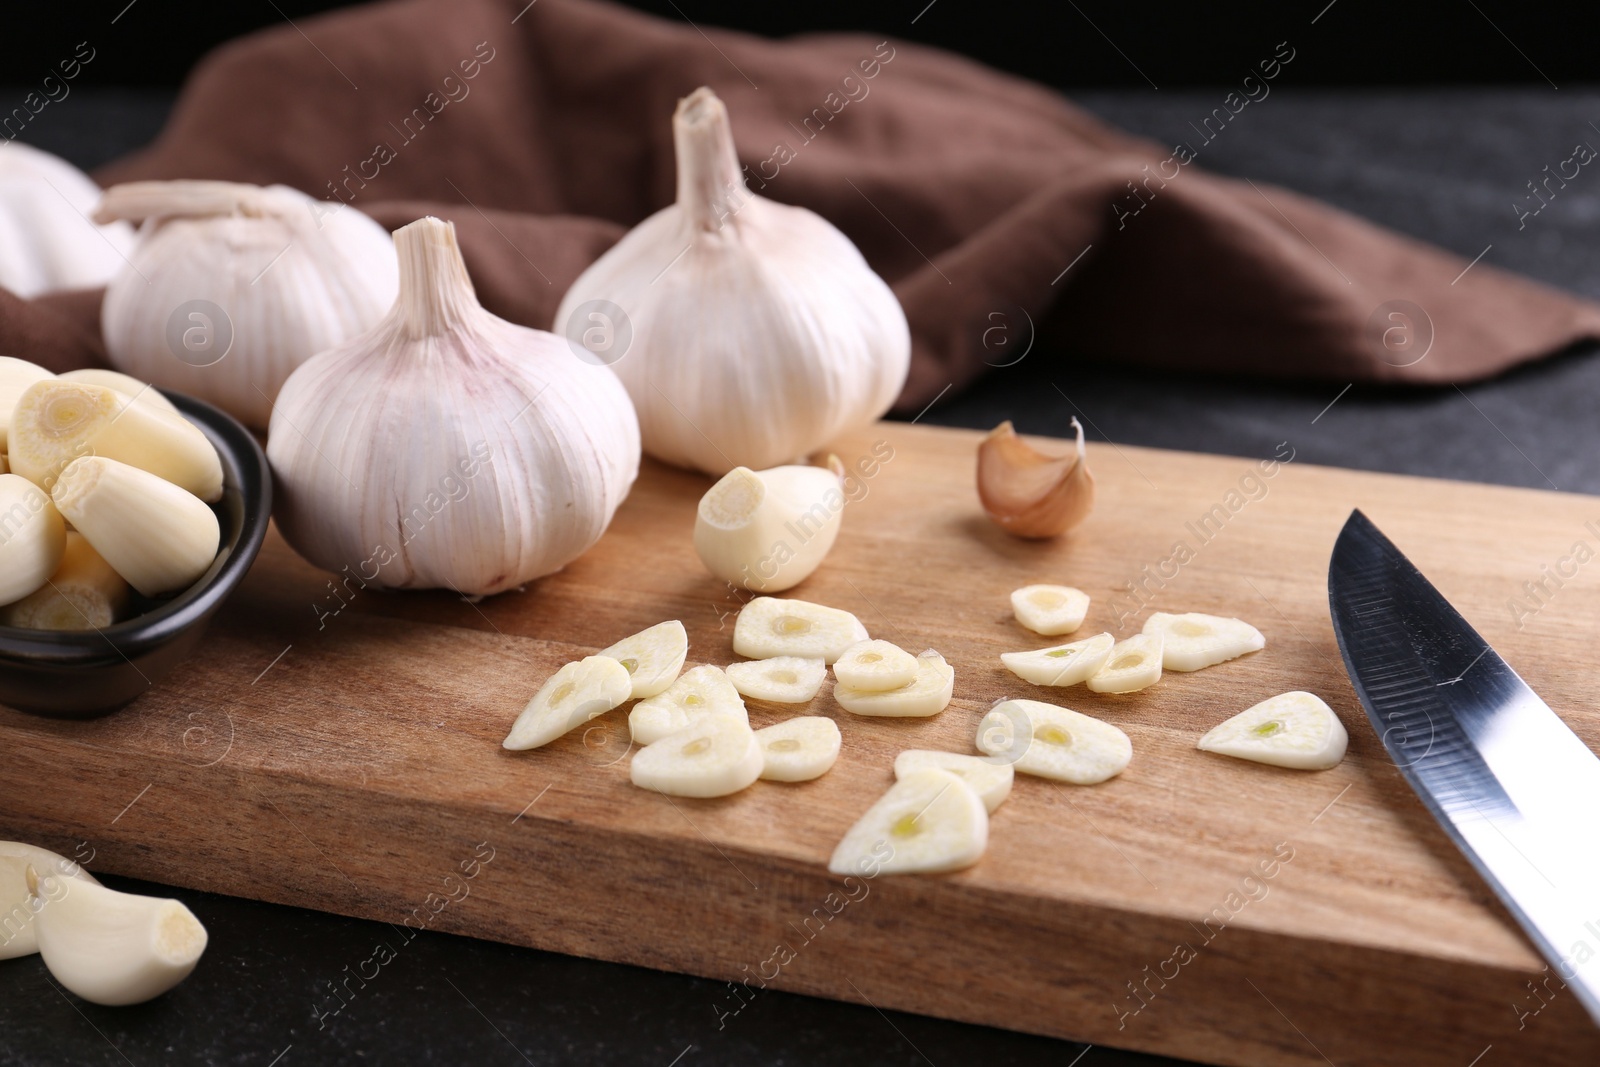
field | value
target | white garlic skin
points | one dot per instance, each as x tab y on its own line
294	277
769	338
447	448
46	239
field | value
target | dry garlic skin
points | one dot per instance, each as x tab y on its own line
652	657
1050	609
1133	664
799	749
768	530
989	778
572	696
1053	742
929	821
699	692
1195	640
874	666
1296	730
927	694
16	903
33	537
768	626
779	680
1061	665
713	757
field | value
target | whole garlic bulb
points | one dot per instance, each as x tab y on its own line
46	239
445	447
758	331
232	286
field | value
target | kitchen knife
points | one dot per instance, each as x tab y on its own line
1515	789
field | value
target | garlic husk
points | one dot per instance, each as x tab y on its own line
768	338
32	537
1028	493
445	447
17	904
84	593
157	536
768	530
290	277
47	240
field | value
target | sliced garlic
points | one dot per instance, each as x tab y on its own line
17	904
1028	493
84	593
16	375
58	421
702	691
928	694
768	530
1050	609
1134	664
930	821
713	757
1053	742
127	385
1192	641
768	627
158	537
799	749
653	656
780	680
1061	664
32	538
875	666
988	778
1295	730
113	948
572	696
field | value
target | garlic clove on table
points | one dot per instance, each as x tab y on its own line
1133	664
712	757
1195	640
769	626
578	692
769	530
929	821
1054	742
17	904
1296	730
926	694
702	691
1028	493
990	779
1061	665
799	749
875	666
779	680
652	657
1050	610
33	537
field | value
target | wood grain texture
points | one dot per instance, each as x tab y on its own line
350	762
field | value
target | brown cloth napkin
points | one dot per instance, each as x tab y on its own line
543	131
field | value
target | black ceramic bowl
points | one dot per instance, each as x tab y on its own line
81	675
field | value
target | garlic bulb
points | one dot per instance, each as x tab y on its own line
231	287
445	447
46	239
758	333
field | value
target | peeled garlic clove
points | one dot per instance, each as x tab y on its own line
780	680
927	694
17	904
158	537
1050	609
990	779
113	948
768	530
1061	664
46	239
1293	730
1052	742
32	538
712	757
576	693
16	375
128	386
928	821
1133	664
702	691
1029	493
652	657
768	626
84	593
799	749
875	666
1193	640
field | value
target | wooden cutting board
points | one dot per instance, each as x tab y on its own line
339	748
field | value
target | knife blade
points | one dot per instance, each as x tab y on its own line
1511	785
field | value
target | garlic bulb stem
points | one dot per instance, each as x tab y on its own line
436	294
711	187
137	201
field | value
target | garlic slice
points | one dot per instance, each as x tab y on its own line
929	821
780	680
652	657
127	385
1050	609
1194	640
1296	730
32	538
928	694
1028	493
703	691
16	375
875	666
17	904
576	693
713	757
1061	664
84	593
1053	742
990	779
1134	664
768	627
799	749
768	530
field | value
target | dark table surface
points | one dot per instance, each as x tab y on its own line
1445	166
